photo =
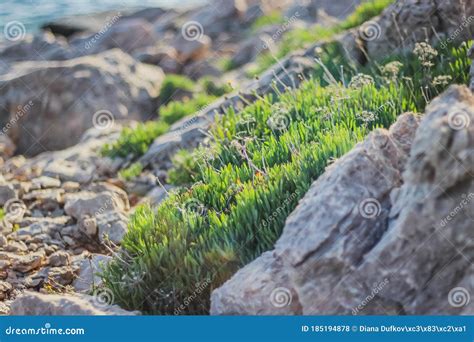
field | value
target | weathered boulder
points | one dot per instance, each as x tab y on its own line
407	22
37	304
48	105
388	243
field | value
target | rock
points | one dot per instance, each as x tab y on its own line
71	186
228	17
191	49
69	26
52	195
45	182
7	192
395	233
128	35
3	240
155	196
59	258
36	304
7	147
92	204
251	48
112	227
27	263
88	225
51	47
5	289
404	23
89	268
75	95
200	69
16	247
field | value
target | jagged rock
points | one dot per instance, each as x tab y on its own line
406	22
387	244
89	269
64	98
36	304
112	226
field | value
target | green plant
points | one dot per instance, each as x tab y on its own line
269	19
132	171
135	141
261	162
176	110
172	83
2	214
298	38
210	87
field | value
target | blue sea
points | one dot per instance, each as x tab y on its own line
34	13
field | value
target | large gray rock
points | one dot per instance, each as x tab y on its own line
387	243
48	105
406	22
35	304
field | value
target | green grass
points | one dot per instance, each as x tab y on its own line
135	141
173	83
272	18
240	190
2	214
132	171
177	110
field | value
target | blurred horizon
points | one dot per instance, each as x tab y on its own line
35	13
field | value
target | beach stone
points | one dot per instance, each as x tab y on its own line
89	268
